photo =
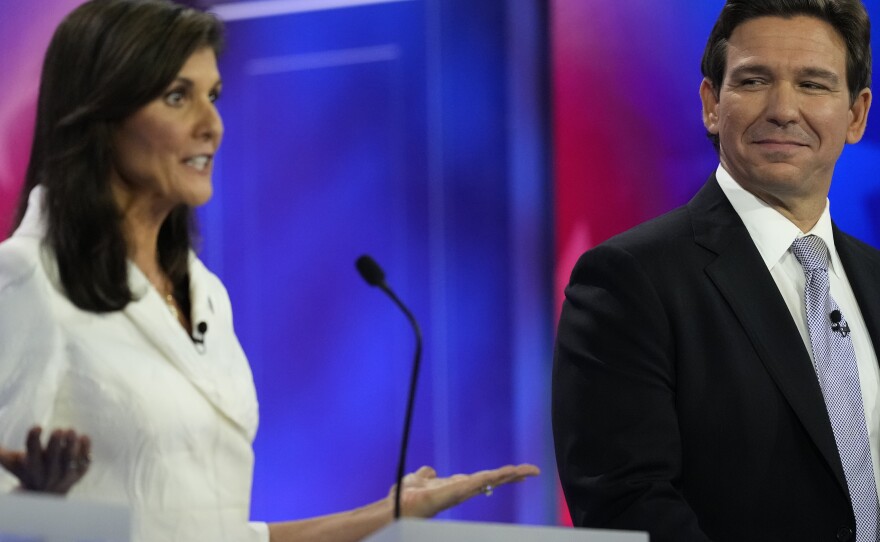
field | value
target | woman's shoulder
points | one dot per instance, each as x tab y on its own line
200	273
206	287
27	295
20	262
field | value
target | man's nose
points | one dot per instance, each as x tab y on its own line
783	105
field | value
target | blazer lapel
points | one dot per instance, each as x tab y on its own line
743	280
214	378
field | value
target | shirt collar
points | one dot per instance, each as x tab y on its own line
771	232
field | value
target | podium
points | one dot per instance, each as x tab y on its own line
33	517
421	530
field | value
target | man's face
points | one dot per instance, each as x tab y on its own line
783	111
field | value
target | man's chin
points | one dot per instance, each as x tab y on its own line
783	181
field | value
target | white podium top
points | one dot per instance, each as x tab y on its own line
32	517
419	530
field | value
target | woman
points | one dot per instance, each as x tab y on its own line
106	308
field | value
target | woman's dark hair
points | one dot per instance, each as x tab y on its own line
848	17
107	59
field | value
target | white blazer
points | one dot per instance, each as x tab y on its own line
171	423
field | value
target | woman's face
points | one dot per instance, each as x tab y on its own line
164	152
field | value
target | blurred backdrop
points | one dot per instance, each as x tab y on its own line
475	149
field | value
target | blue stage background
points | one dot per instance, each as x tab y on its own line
415	132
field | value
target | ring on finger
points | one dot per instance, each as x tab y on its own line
487	490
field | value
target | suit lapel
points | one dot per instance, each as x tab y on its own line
743	280
862	267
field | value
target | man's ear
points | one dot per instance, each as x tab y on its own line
858	116
709	97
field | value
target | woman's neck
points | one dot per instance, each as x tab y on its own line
142	218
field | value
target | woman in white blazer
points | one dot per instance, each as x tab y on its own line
110	323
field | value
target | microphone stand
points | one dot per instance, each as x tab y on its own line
373	274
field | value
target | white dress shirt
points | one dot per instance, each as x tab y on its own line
773	235
171	423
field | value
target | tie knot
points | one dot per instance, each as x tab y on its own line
811	251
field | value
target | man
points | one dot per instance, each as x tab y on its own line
709	384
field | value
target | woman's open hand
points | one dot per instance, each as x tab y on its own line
425	494
53	469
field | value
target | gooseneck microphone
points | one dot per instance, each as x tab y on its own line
373	274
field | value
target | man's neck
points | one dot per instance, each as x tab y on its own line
802	213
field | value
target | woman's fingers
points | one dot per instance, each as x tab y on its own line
433	495
33	469
85	453
53	468
54	459
513	473
13	461
71	464
426	472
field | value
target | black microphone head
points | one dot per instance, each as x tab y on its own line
370	270
202	327
835	316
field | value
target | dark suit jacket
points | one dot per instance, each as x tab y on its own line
684	400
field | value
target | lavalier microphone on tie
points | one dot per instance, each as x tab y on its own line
836	325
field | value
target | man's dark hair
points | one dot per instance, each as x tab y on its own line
106	60
848	17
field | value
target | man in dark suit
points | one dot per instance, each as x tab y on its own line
696	393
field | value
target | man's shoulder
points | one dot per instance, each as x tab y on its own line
853	247
683	229
659	233
663	245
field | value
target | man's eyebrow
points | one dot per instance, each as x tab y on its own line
813	72
819	73
750	69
